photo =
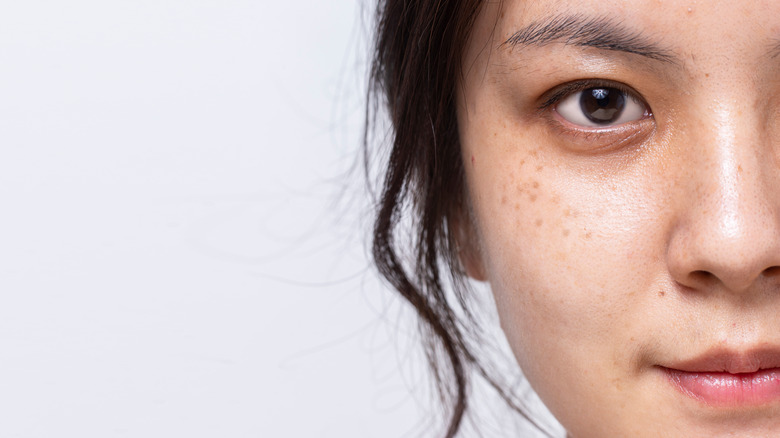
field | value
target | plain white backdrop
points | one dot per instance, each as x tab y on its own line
181	254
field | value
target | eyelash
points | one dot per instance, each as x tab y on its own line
556	95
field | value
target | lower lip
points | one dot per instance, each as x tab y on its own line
726	389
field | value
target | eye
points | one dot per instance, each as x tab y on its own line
601	107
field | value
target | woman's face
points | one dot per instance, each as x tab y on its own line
623	166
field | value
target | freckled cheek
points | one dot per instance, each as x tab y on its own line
556	266
525	217
554	242
536	242
529	234
548	287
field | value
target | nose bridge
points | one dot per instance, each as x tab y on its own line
732	230
737	184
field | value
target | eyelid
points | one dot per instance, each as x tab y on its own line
557	94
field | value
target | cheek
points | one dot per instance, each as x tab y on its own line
566	257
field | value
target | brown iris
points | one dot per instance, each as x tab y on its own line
602	105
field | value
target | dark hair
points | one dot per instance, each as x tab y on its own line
415	70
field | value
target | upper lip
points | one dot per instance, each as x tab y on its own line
724	360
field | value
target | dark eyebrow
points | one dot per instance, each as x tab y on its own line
597	32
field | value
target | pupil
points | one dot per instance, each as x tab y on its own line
602	105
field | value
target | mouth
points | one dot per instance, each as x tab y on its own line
726	378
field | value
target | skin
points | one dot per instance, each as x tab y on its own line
611	251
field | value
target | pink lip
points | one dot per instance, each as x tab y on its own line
724	378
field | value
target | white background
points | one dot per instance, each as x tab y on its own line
181	245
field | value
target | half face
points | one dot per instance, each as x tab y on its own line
622	162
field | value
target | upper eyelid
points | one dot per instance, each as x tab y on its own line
560	92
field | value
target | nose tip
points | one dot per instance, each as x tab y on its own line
729	235
736	264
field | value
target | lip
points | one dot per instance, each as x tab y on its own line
727	378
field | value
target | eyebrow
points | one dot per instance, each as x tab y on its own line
598	32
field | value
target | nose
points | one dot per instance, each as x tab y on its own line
727	232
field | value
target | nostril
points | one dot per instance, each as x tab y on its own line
701	277
705	279
772	272
697	280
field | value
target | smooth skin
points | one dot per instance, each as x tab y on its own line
617	249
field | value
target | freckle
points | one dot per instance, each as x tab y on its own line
536	184
503	200
588	235
539	222
567	212
539	168
522	163
706	75
517	206
532	198
565	233
739	168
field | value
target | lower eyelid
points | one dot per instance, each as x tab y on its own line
602	140
601	130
